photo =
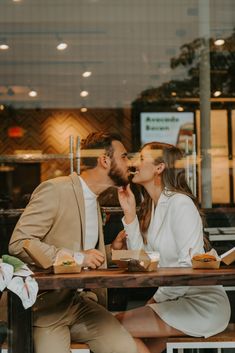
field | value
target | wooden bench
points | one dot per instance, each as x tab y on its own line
75	348
80	347
225	339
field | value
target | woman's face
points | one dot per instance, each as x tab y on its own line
145	167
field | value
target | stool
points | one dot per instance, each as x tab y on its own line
75	348
225	339
79	348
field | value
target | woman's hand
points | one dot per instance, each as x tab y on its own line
119	243
127	202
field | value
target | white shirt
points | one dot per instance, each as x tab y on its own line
175	228
91	217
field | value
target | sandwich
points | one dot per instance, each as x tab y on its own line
64	259
65	263
204	257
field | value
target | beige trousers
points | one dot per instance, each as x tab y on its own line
86	322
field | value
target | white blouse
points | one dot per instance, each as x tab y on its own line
175	231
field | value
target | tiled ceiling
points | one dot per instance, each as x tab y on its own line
126	44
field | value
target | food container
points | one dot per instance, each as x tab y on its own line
135	260
214	264
67	268
65	263
228	257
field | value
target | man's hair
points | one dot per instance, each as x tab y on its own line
92	146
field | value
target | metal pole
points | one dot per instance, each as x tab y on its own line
78	145
71	143
205	94
194	163
187	160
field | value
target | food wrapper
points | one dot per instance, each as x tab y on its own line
66	263
206	262
135	260
228	257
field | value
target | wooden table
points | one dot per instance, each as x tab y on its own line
20	320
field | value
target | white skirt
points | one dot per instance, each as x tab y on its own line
201	312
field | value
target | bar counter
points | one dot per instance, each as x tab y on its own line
20	320
120	278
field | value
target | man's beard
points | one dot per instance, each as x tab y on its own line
117	175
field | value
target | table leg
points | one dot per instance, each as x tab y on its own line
19	326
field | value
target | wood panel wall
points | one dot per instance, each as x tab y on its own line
49	130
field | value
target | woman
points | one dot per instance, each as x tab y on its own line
169	222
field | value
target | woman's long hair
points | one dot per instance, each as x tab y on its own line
173	179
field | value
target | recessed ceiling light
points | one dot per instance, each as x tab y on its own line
33	93
4	46
86	73
219	41
84	93
62	46
83	109
217	93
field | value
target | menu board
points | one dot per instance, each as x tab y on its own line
170	127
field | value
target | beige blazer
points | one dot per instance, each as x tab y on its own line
55	219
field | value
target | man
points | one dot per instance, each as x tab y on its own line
63	214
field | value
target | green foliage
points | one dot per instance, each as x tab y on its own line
12	260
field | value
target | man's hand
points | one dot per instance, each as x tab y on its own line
93	258
119	243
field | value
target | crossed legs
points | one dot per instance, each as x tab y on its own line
148	329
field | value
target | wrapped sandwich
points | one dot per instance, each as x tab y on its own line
206	260
204	257
65	263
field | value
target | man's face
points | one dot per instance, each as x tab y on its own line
119	165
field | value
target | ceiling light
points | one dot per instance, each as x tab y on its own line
173	93
62	46
84	93
217	93
86	73
83	109
180	108
2	107
4	46
33	93
219	41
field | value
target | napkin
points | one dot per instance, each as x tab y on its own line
26	289
6	274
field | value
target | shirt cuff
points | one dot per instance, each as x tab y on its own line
79	257
129	225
